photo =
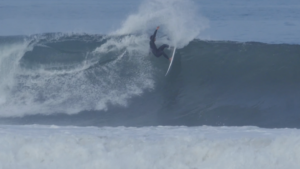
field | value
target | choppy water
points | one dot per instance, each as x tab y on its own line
116	80
74	63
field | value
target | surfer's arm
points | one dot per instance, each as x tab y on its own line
154	35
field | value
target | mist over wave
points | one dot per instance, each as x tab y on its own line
179	20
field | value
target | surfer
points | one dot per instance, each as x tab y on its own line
158	51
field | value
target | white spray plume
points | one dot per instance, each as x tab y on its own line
179	20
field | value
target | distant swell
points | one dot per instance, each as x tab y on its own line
99	80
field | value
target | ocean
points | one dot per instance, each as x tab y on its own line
79	87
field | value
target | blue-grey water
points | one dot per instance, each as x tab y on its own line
68	65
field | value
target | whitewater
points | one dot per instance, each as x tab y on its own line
79	87
149	147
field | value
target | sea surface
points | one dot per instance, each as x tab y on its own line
79	87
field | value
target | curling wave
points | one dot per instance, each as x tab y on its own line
112	80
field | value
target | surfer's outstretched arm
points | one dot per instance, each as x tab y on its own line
154	34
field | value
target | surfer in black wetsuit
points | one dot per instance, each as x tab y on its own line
157	51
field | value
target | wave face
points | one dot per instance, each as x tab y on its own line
112	80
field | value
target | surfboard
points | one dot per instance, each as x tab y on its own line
171	61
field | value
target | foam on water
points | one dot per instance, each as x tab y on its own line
10	54
39	87
149	147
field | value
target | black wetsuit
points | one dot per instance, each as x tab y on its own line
157	51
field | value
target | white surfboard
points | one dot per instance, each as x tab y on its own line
171	61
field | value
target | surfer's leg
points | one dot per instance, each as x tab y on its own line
162	47
161	51
165	55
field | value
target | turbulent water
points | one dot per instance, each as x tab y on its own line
115	79
79	87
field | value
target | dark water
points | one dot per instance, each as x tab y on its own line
210	83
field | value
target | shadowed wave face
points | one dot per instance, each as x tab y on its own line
92	80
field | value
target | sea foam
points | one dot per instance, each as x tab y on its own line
149	147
